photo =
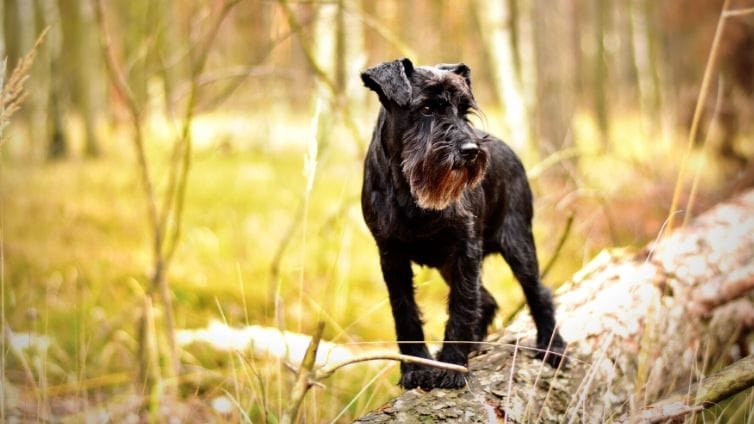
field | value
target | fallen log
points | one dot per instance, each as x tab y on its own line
640	327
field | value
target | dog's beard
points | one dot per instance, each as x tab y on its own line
435	178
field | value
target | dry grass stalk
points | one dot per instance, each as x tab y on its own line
700	101
12	93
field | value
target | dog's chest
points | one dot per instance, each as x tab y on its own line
433	252
428	241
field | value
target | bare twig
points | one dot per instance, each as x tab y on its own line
177	190
166	221
307	376
329	370
118	78
303	380
120	82
391	37
296	27
176	196
225	93
321	74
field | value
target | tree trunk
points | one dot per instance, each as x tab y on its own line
645	55
639	327
553	66
46	14
600	70
497	43
2	29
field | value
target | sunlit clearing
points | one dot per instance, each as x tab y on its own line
262	340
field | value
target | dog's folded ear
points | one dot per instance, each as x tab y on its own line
458	68
390	80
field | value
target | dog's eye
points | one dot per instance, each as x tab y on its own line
434	107
464	108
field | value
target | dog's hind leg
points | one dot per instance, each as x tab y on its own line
488	309
519	251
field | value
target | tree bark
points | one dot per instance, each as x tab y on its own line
554	66
600	70
500	52
639	326
46	13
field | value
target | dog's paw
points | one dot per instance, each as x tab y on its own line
448	379
415	376
428	378
555	355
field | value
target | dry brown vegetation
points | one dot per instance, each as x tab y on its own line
169	163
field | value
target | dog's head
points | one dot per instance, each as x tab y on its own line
428	129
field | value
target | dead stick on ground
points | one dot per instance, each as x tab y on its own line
307	376
329	370
303	380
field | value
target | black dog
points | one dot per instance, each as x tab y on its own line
441	193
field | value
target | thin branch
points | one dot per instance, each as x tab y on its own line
120	83
321	74
182	177
117	76
385	32
176	195
242	73
269	48
329	370
303	380
296	27
307	376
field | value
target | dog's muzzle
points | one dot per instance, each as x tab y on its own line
469	151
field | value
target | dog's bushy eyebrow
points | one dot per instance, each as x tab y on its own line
438	88
433	90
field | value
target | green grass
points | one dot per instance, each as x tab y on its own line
77	257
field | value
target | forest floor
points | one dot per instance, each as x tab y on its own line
76	257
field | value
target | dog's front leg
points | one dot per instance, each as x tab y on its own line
396	269
462	275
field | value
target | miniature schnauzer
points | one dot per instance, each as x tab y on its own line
441	193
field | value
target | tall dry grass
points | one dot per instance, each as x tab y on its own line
12	95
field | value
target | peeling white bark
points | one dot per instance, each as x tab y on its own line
639	327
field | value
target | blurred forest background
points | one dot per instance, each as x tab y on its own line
184	164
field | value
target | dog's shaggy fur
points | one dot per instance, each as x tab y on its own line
441	193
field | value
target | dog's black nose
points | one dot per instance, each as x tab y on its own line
469	151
